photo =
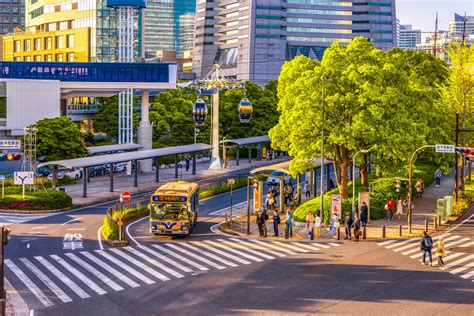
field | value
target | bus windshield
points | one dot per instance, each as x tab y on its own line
170	211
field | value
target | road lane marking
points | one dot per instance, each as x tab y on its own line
110	269
72	220
290	246
247	246
99	238
400	245
193	255
186	260
130	225
416	246
456	263
467	219
235	208
119	263
164	258
308	245
270	245
76	228
142	266
95	272
240	253
222	253
154	262
47	281
469	274
386	242
29	284
93	286
73	286
465	267
210	255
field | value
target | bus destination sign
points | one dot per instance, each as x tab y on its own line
169	198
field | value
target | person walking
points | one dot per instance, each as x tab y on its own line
426	246
441	252
399	209
288	225
348	225
438	175
356	226
334	224
276	222
389	207
310	225
307	189
317	224
364	214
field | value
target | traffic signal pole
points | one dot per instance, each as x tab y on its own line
3	294
456	157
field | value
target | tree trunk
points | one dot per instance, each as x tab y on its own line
344	181
364	175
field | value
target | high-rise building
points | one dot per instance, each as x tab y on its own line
71	30
168	25
461	25
408	37
251	39
12	15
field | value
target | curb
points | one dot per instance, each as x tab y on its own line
15	302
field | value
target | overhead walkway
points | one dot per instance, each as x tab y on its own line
135	157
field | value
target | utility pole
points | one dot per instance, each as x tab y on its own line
456	157
435	48
5	237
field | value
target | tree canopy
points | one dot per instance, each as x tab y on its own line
59	138
374	100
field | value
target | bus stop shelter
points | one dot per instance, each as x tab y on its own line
134	157
240	142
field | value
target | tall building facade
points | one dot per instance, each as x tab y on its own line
12	15
408	38
251	39
461	25
64	30
168	25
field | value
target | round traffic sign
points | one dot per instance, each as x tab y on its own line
125	196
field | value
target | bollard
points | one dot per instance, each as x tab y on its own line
383	231
435	221
338	233
400	230
439	220
364	232
426	225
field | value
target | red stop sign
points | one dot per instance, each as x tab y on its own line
125	196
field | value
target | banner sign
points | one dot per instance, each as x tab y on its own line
10	144
336	204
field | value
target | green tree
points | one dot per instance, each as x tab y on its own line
373	100
59	138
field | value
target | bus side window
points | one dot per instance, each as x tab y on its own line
196	200
192	202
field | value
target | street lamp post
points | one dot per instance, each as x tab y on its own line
322	148
353	178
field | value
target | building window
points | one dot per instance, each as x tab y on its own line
48	57
27	58
52	27
70	41
60	41
17	47
38	58
37	43
63	25
48	43
27	45
17	59
70	57
59	57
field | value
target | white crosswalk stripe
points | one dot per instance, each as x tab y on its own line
29	284
67	281
456	261
47	281
51	280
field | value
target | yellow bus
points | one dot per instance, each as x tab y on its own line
174	208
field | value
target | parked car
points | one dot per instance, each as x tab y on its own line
71	173
43	171
274	178
96	171
118	167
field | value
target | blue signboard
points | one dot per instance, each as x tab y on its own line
126	3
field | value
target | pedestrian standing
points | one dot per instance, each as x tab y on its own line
307	189
334	224
441	252
260	223
317	224
310	225
426	246
348	225
438	175
287	193
264	217
399	208
389	207
288	225
356	226
364	214
276	222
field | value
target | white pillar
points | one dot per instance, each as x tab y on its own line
145	133
215	159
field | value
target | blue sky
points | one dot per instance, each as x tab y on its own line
422	13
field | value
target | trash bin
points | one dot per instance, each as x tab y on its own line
441	209
63	189
449	205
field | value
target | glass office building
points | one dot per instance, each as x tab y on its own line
12	15
168	25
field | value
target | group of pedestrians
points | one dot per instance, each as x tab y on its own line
263	217
313	224
397	208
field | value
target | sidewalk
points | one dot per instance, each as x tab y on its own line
98	189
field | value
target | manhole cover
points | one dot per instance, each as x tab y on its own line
463	249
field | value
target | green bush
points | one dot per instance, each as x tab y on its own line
239	183
110	229
40	199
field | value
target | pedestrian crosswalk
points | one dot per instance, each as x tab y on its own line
62	278
457	261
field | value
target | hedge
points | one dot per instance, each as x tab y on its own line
239	183
381	190
35	200
110	229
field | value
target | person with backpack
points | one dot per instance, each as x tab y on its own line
276	222
426	246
